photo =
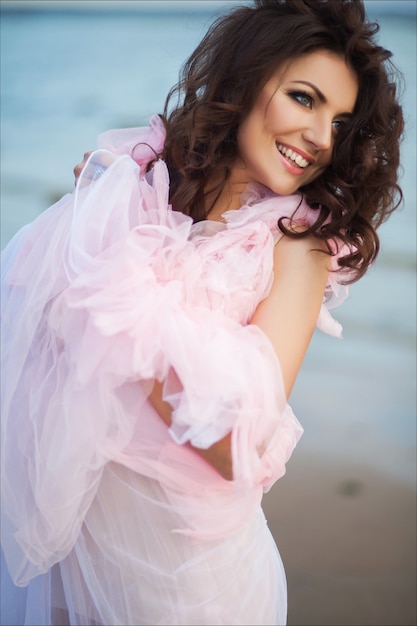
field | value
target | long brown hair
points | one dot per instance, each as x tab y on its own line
218	87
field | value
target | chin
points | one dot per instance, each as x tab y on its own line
286	190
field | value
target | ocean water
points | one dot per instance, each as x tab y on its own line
68	75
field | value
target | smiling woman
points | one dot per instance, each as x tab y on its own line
358	189
156	319
287	139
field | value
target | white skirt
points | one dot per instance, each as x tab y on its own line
128	567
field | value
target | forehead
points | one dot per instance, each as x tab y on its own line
328	72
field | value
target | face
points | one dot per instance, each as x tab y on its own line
287	139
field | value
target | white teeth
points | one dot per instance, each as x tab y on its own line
294	156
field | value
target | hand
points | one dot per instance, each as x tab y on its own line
93	166
218	455
80	166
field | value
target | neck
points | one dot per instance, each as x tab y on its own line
227	200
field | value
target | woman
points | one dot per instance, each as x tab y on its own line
174	298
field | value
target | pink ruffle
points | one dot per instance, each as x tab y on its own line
110	289
142	144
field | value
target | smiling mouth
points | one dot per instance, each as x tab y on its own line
293	157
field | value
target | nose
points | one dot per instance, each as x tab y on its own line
319	133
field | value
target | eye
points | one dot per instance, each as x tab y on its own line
302	98
338	124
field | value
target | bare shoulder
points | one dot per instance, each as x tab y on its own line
289	313
308	253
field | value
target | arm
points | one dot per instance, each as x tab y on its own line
287	316
218	455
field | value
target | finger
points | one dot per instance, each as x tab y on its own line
80	166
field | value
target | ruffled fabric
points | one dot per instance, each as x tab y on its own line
109	290
260	202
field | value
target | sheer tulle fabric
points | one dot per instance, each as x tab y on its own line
108	516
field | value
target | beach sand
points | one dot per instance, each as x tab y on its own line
344	515
347	536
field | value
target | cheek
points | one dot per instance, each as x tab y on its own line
248	136
326	157
282	116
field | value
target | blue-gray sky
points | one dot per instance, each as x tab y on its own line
399	7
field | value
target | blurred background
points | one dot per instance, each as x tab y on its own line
344	517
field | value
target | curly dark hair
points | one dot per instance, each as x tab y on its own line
217	89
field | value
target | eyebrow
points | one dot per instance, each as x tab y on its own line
319	94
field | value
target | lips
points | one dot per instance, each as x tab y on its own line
294	157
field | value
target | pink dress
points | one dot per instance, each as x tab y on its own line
108	518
